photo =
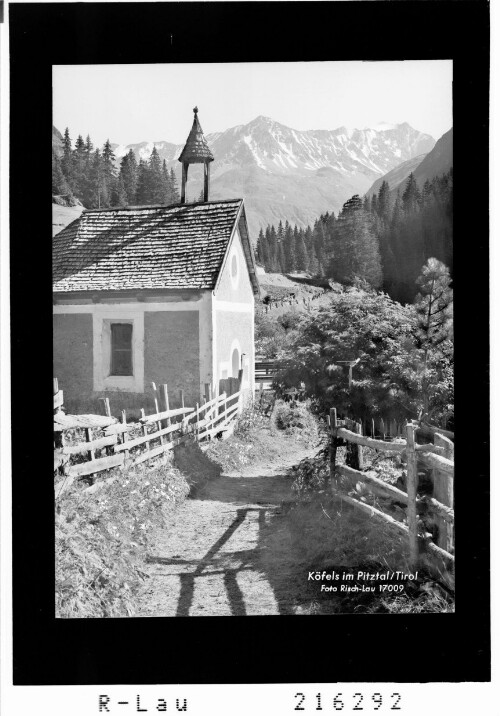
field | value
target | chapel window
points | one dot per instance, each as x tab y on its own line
121	349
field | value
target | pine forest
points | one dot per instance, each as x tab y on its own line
382	240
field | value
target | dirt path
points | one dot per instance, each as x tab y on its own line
230	549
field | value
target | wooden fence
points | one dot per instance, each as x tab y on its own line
291	300
265	371
436	457
122	443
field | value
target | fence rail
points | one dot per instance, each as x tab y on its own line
436	457
131	443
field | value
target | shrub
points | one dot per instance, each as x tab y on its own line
274	334
381	334
296	419
311	474
251	419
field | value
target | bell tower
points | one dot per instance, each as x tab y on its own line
196	151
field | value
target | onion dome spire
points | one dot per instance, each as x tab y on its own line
196	149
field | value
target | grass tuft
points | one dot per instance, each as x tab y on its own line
102	538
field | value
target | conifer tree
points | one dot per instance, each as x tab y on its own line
108	173
67	159
260	249
119	194
301	261
280	237
59	183
108	158
95	185
289	248
143	184
280	263
67	148
79	161
356	250
383	202
89	148
273	250
174	188
311	252
426	194
411	195
167	188
397	214
434	307
320	246
156	182
128	175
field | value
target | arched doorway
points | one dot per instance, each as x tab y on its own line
235	362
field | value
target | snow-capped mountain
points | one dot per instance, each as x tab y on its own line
278	149
284	173
438	161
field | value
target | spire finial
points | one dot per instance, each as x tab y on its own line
195	110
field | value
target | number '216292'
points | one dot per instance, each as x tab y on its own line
354	702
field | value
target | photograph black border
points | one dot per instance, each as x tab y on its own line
267	649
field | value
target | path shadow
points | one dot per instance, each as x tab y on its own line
197	467
234	593
277	555
249	560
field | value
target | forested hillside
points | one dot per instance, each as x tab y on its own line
91	176
381	240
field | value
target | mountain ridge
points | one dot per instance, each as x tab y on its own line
288	174
437	162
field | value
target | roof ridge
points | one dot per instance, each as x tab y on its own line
161	206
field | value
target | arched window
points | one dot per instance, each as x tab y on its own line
234	267
235	362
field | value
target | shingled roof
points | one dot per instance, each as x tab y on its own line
196	149
151	247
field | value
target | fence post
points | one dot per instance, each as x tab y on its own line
354	452
240	397
443	492
88	438
157	409
358	449
164	392
125	437
145	428
333	442
105	406
411	489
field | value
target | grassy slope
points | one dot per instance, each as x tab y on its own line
64	215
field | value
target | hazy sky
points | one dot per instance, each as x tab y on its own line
134	103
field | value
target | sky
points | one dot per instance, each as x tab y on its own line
136	103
